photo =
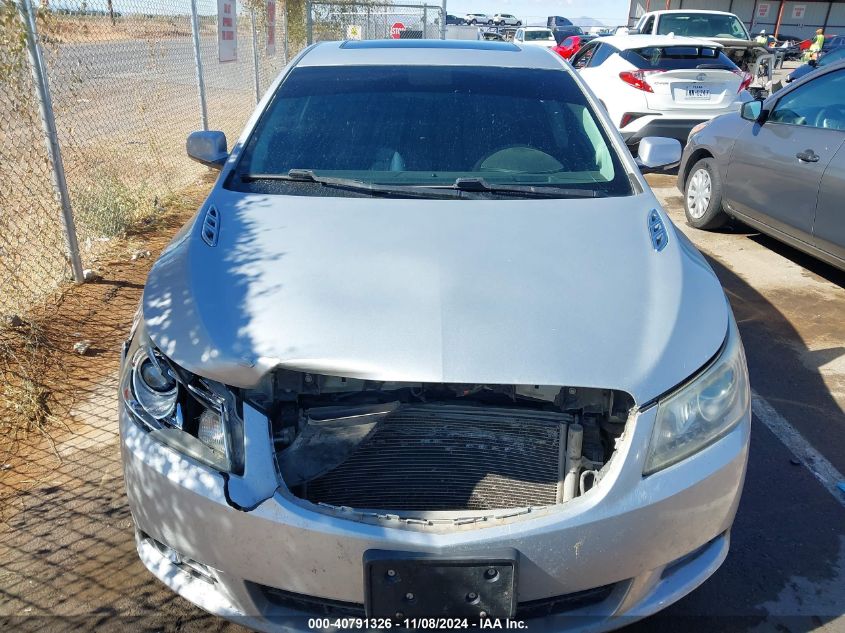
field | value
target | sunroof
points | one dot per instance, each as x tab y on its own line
475	45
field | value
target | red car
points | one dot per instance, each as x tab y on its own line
806	43
568	47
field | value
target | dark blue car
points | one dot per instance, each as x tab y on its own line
831	55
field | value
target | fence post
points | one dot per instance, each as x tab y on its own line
286	33
51	138
425	22
195	32
309	24
255	57
443	21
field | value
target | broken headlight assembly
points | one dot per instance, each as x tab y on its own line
702	411
198	417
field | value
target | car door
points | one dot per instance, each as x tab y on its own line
829	227
776	168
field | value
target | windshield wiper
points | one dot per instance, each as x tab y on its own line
350	184
532	191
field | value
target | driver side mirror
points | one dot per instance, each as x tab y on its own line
752	110
207	147
656	152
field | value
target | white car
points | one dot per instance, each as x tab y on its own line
659	85
535	36
478	18
506	19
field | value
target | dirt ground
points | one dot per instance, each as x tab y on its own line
68	557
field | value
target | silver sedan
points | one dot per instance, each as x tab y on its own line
778	165
404	370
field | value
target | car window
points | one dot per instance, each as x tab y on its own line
430	125
602	52
648	26
567	42
702	25
539	36
582	58
819	103
677	57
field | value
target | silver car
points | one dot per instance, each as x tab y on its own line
395	371
778	165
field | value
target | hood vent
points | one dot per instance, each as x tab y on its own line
657	230
211	226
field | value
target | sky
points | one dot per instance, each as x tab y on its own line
611	12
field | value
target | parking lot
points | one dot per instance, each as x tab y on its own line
69	559
69	555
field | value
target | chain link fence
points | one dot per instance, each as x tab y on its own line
125	85
328	21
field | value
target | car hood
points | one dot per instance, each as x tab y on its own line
562	292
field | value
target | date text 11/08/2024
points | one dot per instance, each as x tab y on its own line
415	623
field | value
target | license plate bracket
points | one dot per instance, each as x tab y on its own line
399	585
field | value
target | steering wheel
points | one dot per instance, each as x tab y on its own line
831	117
518	159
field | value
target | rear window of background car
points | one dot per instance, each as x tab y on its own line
677	58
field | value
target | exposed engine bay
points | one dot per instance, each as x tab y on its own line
402	447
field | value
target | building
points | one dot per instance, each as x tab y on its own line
790	17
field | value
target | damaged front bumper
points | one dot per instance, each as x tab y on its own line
628	548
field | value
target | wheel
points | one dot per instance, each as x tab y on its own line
518	23
703	196
489	21
474	22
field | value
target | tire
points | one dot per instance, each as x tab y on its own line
489	21
703	196
474	22
518	23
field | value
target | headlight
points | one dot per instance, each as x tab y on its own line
703	410
193	415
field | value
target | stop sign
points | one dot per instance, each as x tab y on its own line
396	30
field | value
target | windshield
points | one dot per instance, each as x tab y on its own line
429	126
537	36
702	25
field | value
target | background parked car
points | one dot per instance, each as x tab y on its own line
779	166
658	85
534	36
571	45
828	57
720	27
503	19
453	19
478	18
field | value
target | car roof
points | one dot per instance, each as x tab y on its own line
669	11
627	42
535	28
429	53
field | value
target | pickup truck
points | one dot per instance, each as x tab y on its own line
718	26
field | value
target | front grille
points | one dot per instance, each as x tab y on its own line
443	457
